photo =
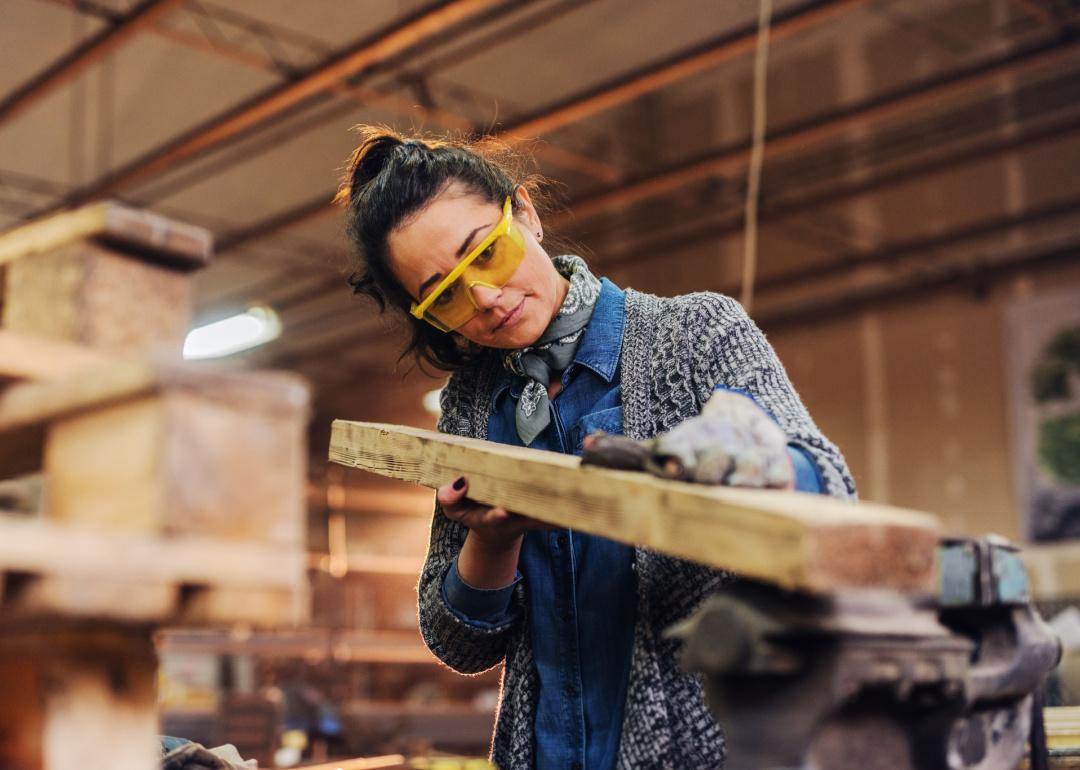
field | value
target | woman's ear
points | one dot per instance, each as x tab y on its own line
526	212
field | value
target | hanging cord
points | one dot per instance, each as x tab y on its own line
757	156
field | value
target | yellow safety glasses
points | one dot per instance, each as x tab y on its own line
492	263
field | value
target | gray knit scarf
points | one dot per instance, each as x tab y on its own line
555	348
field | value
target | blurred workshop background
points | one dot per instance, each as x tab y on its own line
917	260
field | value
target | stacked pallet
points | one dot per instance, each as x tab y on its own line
169	495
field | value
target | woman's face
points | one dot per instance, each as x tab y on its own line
427	246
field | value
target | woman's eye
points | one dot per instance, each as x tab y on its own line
485	255
446	296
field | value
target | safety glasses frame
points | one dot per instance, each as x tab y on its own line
419	309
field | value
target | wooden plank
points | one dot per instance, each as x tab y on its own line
53	571
1058	761
385	762
791	539
226	606
354	646
1054	570
1063	727
134	231
42	547
26	357
102	598
37	403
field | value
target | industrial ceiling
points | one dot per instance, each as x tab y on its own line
910	143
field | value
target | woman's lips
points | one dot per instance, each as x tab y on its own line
512	317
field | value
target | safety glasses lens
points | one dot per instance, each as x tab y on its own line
493	268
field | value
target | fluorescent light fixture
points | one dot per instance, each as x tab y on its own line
230	335
431	402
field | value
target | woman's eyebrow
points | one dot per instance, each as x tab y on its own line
434	277
468	239
460	253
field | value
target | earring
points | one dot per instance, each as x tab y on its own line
539	236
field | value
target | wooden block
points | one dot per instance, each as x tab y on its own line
85	699
104	275
86	293
168	449
791	539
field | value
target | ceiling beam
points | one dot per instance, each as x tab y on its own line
776	210
845	266
407	107
70	66
605	96
658	75
821	128
967	274
773	211
848	262
401	37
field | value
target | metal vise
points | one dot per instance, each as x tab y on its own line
868	680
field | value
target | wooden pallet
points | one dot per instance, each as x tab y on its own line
164	448
55	570
172	495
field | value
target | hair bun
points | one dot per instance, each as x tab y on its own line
375	150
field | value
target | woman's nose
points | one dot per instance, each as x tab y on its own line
485	297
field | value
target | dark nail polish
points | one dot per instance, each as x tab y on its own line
459	483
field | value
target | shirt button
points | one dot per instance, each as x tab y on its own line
571	691
566	615
563	541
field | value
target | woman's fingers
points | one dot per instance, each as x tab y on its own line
452	493
457	507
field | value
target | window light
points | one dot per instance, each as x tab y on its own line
230	335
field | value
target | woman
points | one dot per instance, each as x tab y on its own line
542	354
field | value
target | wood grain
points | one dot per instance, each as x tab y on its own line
791	539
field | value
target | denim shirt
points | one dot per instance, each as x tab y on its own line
581	593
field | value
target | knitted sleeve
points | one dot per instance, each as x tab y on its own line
464	647
729	349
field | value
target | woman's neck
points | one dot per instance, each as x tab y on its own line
560	295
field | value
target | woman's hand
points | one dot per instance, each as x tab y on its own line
733	441
494	526
488	559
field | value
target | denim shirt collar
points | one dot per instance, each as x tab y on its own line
599	349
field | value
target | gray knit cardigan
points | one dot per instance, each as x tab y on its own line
674	352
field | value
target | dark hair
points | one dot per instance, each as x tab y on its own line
391	177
